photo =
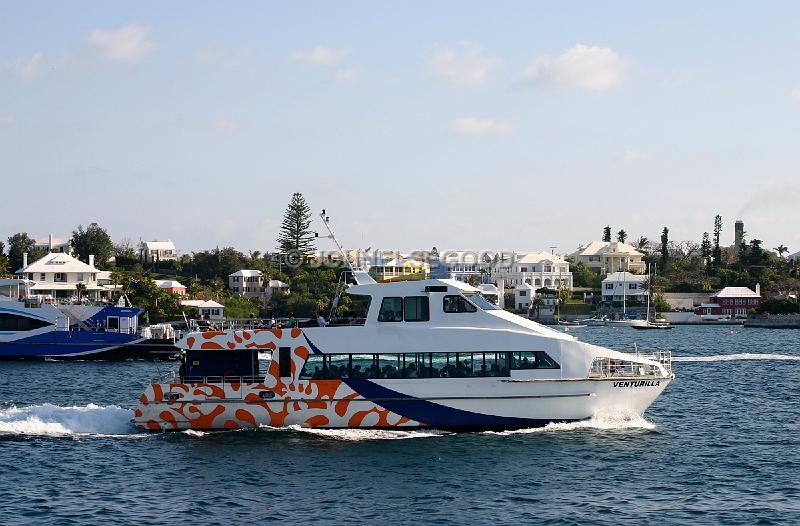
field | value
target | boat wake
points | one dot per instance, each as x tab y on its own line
732	357
355	435
610	422
53	420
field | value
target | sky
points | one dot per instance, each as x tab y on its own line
461	125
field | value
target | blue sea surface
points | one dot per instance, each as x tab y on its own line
720	446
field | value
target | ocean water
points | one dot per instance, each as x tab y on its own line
721	446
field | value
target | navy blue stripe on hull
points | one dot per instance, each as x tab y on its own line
437	415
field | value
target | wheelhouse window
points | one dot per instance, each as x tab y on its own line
456	304
391	309
482	302
417	308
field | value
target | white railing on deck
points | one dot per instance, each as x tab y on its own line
613	367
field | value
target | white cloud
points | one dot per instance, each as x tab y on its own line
128	43
479	127
29	68
321	56
586	67
796	94
634	156
7	120
347	75
462	64
226	125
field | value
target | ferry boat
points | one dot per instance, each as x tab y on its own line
422	354
34	329
428	354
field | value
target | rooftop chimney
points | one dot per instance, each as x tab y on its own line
50	242
24	260
91	260
758	289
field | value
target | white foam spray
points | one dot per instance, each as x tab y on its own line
604	422
53	420
734	357
355	435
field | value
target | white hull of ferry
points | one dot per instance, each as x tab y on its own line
588	381
462	404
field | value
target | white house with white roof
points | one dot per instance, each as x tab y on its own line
457	264
539	269
248	283
274	286
605	257
159	251
524	295
54	244
633	287
206	309
59	275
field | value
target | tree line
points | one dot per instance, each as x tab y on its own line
204	272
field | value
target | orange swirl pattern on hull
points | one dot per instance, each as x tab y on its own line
308	403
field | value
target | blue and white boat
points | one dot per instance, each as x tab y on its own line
35	329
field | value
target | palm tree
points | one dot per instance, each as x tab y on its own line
217	287
642	244
781	250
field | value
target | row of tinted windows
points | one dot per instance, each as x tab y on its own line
15	322
422	365
417	308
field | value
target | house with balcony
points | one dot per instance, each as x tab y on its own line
619	286
62	276
463	265
400	269
538	269
732	301
155	251
607	257
248	283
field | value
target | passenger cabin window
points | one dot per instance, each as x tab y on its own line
391	309
532	360
406	365
417	308
454	304
15	322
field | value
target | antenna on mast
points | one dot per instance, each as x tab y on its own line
326	221
359	275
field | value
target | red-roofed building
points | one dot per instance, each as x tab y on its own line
732	301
